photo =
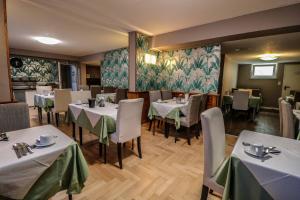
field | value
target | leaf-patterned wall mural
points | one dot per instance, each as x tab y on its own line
114	69
188	70
43	70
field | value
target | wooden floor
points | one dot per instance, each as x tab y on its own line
167	170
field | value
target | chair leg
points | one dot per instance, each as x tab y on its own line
70	197
167	129
80	135
40	115
139	146
105	156
132	144
120	155
150	125
188	133
176	135
56	119
158	123
100	149
73	131
48	117
204	192
153	130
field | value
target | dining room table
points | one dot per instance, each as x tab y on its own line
35	171
254	103
100	121
270	176
168	109
110	97
44	102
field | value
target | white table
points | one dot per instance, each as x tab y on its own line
45	102
165	107
279	175
18	175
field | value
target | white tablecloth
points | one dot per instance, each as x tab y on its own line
94	114
106	95
18	175
39	99
279	174
165	108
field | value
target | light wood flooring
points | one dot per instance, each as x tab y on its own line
166	171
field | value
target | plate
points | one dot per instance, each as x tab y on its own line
38	144
247	151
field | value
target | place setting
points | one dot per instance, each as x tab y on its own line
260	151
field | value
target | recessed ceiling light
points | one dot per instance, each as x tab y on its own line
268	57
47	40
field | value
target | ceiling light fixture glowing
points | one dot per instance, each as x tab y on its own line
47	40
268	57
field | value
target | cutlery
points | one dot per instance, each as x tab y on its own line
28	147
16	148
22	149
248	144
272	151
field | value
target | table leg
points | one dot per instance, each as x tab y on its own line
48	117
70	196
80	135
167	129
40	115
253	114
73	131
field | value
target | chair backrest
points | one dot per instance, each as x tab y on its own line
82	96
203	103
256	92
83	87
166	94
14	116
121	94
95	89
287	120
129	119
240	100
213	139
43	89
280	114
62	99
193	107
109	89
154	95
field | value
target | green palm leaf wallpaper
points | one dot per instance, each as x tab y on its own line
43	70
114	68
188	70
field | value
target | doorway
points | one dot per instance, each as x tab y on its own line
291	79
68	74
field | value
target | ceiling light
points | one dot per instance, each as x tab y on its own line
268	57
47	40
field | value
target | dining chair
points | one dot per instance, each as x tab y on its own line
154	95
95	89
288	129
14	116
82	96
128	125
62	99
213	130
240	101
166	94
83	87
120	94
202	108
43	89
280	114
109	89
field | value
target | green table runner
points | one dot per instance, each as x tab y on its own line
105	126
68	172
173	114
239	183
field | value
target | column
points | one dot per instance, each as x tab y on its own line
132	61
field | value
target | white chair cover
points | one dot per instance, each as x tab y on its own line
82	96
240	100
287	120
62	99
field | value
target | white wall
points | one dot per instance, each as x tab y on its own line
230	74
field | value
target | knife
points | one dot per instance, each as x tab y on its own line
28	147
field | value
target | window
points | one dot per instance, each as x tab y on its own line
264	71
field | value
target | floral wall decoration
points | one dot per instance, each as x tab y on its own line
43	70
114	69
187	70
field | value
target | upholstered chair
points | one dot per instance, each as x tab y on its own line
202	108
121	94
240	100
166	94
82	96
95	89
154	95
43	89
288	129
14	116
62	99
214	148
83	87
128	125
280	114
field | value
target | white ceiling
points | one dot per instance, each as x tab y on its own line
287	46
92	26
